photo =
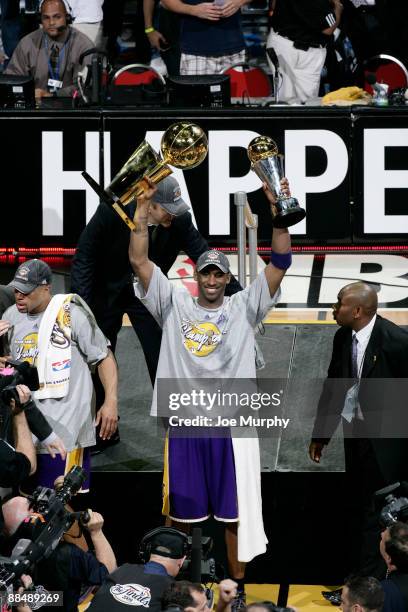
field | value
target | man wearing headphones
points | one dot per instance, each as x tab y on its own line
163	551
51	54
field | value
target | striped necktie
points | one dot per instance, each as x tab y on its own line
54	55
354	368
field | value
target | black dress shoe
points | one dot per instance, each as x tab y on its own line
334	597
102	445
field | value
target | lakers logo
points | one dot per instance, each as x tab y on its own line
61	332
64	317
201	339
27	349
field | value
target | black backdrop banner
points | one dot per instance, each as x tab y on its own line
348	169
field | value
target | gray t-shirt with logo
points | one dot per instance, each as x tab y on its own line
199	342
71	417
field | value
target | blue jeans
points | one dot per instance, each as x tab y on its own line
11	28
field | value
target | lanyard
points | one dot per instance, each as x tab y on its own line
55	75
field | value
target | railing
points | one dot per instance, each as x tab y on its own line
246	221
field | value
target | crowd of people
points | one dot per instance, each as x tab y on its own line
331	37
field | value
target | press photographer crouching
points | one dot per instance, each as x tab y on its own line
163	551
35	527
17	452
19	417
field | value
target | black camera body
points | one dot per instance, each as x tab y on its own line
24	374
395	508
50	520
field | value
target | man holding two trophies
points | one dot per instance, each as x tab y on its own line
211	475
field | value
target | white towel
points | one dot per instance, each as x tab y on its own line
251	535
54	346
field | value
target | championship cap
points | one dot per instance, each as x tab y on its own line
213	258
30	275
168	195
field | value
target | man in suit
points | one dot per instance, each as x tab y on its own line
101	273
364	391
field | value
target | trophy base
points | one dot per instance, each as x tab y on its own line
289	213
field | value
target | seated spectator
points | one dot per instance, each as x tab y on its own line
69	568
362	594
394	550
211	37
88	19
51	54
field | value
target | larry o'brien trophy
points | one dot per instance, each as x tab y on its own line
183	145
267	163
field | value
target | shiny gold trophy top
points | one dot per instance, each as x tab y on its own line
183	145
267	163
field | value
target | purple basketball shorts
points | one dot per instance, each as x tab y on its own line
201	479
49	469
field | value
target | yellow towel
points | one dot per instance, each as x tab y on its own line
346	95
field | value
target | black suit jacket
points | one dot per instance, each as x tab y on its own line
101	269
382	395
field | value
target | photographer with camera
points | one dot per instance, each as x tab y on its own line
163	551
68	568
394	551
11	376
19	462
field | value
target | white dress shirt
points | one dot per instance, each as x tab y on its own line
363	338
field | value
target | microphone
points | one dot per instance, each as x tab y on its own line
273	57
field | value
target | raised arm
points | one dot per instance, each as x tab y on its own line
139	238
103	550
281	256
22	435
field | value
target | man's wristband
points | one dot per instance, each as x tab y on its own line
282	261
149	30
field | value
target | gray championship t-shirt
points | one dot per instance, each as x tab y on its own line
200	342
71	417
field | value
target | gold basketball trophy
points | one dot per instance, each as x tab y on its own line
267	163
183	145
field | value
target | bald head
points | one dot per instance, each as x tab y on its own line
54	18
363	295
54	5
356	305
15	510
